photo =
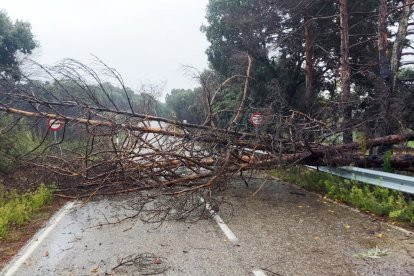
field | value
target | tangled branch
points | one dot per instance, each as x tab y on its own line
108	147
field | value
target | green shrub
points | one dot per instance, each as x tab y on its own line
378	200
14	143
16	209
386	166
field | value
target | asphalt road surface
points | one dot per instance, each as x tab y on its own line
277	230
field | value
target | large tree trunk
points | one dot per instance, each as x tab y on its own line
400	162
242	106
398	45
383	58
208	99
384	126
345	71
309	92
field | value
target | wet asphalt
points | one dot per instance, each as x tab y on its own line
281	230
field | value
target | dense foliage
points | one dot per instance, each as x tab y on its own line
15	38
186	104
296	51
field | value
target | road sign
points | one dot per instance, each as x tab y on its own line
54	124
256	119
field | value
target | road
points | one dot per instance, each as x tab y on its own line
280	230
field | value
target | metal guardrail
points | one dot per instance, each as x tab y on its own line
393	181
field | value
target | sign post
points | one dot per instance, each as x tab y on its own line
256	119
54	125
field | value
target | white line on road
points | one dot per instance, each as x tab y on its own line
226	230
25	253
259	273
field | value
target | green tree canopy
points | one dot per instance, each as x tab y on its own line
15	37
186	104
296	51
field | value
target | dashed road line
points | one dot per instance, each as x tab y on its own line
226	230
259	272
25	253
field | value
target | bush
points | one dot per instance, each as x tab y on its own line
16	209
14	143
378	200
386	166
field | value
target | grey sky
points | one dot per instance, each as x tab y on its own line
145	40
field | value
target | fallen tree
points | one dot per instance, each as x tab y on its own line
119	150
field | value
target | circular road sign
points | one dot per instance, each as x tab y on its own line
256	119
54	124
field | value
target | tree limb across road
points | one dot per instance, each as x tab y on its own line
107	147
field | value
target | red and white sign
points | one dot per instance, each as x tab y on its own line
256	119
54	124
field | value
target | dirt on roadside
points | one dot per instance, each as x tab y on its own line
18	236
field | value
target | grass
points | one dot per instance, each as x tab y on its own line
374	253
17	209
378	200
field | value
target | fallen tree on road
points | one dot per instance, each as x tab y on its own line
118	150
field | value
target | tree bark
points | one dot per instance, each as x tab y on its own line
208	99
345	71
400	162
399	41
384	95
211	136
237	118
309	92
383	58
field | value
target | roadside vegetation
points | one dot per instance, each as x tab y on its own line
15	142
373	199
17	209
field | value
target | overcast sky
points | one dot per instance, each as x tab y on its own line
147	41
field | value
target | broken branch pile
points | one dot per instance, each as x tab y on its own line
108	149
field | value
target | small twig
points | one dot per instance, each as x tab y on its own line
261	186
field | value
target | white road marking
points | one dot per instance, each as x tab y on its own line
259	272
226	230
26	251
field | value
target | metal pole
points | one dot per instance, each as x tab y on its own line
54	146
